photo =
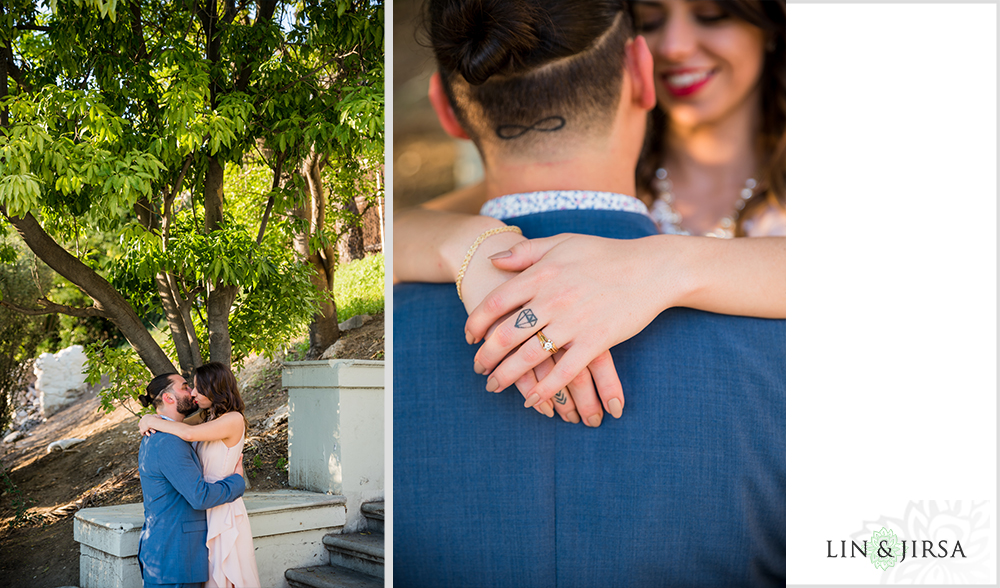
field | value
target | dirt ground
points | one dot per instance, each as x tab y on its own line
42	491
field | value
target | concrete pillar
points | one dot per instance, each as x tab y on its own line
336	430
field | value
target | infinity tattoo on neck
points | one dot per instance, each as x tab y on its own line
546	125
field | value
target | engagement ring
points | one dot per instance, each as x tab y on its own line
547	343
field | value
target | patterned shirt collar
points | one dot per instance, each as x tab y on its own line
515	205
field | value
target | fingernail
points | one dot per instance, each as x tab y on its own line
595	421
479	368
468	338
549	411
501	255
573	417
615	406
492	385
531	401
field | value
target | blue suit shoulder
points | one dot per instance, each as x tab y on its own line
157	443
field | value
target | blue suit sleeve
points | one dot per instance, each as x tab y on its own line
184	474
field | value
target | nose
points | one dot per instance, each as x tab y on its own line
678	38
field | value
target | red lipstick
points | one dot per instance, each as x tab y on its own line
686	88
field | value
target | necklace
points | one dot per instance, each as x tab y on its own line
669	220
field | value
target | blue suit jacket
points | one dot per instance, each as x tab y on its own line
686	489
172	547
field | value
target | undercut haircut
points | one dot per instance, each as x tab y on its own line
154	390
515	71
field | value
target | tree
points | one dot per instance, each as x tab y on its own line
342	89
127	118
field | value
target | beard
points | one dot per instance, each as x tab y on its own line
185	405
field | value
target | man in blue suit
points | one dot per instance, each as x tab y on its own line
172	549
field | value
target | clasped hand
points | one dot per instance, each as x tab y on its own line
147	424
586	294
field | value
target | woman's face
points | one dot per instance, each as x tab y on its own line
706	63
200	399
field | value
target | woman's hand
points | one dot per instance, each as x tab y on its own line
586	294
578	400
147	424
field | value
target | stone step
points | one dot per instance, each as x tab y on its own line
330	577
375	516
362	552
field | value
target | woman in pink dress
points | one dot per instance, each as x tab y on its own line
231	561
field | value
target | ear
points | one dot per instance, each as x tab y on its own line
639	63
445	113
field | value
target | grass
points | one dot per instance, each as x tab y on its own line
359	287
298	349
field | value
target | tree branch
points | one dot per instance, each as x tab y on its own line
6	60
49	307
265	10
270	200
135	12
106	298
18	75
230	13
304	76
144	210
169	203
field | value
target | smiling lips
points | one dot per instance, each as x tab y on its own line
686	82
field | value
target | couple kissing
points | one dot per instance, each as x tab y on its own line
196	530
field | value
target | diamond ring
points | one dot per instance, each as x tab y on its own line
547	343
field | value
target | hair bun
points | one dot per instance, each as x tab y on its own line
145	400
482	38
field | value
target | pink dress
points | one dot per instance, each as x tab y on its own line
231	560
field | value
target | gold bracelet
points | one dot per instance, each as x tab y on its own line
472	250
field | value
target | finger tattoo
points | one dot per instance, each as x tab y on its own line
561	397
526	319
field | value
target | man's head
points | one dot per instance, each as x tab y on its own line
170	394
525	79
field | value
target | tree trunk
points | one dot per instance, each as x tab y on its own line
220	298
351	244
220	346
176	307
214	197
324	329
178	313
106	298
